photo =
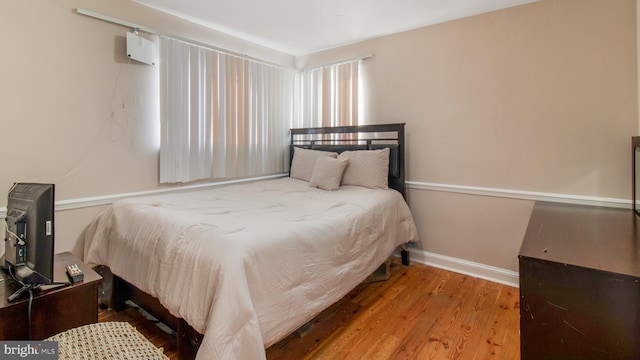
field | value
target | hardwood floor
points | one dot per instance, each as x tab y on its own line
419	313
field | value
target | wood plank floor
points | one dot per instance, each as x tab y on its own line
419	313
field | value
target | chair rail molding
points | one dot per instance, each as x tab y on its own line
522	195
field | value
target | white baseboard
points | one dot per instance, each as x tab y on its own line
481	271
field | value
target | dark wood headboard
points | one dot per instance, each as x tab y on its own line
361	137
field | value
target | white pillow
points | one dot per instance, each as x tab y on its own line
304	160
368	168
327	173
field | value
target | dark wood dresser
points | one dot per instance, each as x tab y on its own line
55	308
579	283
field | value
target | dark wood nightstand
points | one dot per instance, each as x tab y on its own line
55	308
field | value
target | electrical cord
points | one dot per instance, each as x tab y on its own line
13	276
19	292
30	288
29	311
6	224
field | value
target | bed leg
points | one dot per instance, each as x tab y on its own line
121	293
188	341
405	256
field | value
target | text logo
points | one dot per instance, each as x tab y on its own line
29	350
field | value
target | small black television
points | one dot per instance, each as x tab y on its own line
29	235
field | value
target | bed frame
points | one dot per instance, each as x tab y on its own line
337	139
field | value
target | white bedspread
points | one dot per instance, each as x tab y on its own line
246	265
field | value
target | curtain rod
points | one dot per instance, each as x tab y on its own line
171	36
361	58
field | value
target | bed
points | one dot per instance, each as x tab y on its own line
246	265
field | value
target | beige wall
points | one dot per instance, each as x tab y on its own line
539	98
535	98
74	110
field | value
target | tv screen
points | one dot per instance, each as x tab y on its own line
29	240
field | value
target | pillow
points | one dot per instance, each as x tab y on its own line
368	168
304	160
327	173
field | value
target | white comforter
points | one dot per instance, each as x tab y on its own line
246	265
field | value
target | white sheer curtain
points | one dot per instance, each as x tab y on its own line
222	116
329	95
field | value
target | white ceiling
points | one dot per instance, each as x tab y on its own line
300	27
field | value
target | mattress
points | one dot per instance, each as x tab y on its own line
247	264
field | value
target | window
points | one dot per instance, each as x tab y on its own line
222	116
329	95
